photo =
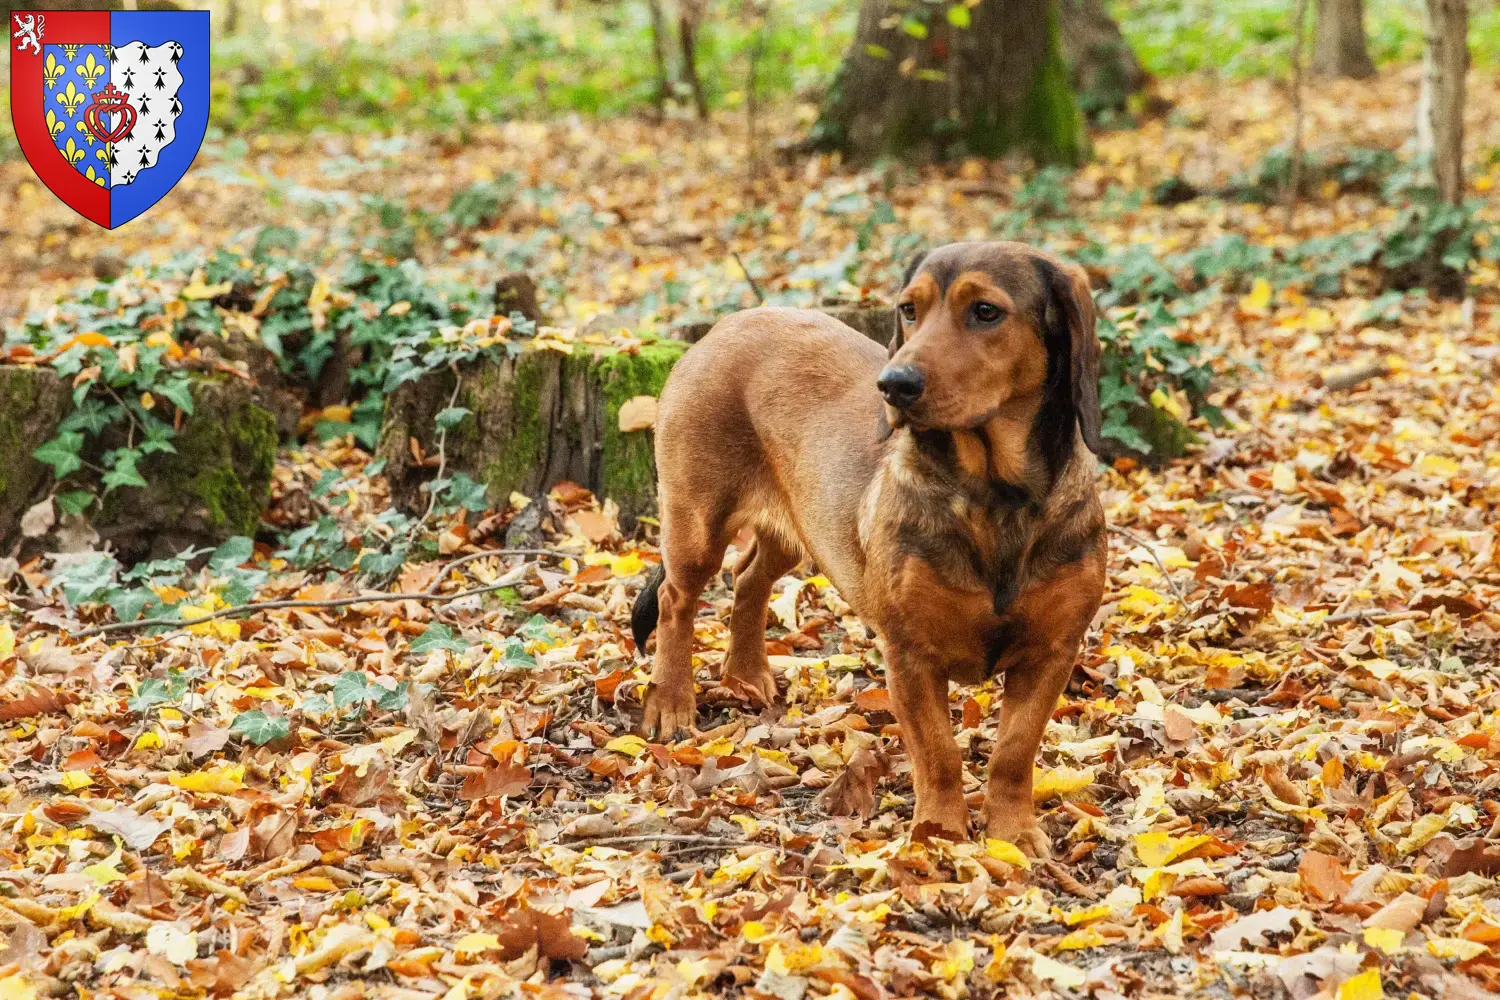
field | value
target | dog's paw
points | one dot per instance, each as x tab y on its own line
758	689
1027	836
670	711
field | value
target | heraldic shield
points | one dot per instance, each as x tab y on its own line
110	107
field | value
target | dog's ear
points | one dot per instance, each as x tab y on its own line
1071	308
897	339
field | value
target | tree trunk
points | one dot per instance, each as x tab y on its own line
690	15
1440	109
1103	69
925	81
1339	40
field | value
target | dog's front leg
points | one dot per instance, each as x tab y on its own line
919	699
1032	688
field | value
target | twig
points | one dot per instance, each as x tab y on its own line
485	554
432	493
667	838
1143	543
373	597
760	299
752	105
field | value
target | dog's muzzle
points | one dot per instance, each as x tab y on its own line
901	385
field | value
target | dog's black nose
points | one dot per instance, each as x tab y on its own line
901	385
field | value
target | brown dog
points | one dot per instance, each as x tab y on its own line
958	515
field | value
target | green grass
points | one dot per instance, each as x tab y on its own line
1241	38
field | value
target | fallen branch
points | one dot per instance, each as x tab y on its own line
373	597
1143	543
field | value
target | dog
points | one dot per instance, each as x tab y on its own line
946	487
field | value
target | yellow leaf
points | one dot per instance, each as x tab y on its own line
1088	913
1086	937
1437	465
1059	782
148	401
1386	939
1004	850
105	872
627	565
1459	948
1365	986
197	290
1422	831
74	780
1051	971
1259	298
473	944
7	642
1283	478
221	782
1143	601
754	931
338	413
16	988
630	744
316	883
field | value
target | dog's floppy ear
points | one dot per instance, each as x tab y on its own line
897	339
1071	302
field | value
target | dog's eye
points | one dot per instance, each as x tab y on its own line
909	311
986	312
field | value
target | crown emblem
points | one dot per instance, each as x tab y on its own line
109	101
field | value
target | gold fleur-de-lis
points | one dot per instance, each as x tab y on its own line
83	130
91	70
71	51
71	99
52	70
102	155
55	124
97	179
72	152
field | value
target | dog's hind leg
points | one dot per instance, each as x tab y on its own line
746	671
692	546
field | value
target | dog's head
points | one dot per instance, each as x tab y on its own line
984	329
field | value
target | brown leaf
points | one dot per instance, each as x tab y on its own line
1283	787
1179	727
40	701
852	793
203	739
595	525
274	833
550	933
355	789
1475	854
873	700
1323	876
1401	914
505	779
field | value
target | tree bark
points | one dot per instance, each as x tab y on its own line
690	15
1440	109
1339	40
926	81
1103	69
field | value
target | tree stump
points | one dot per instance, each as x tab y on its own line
216	484
535	419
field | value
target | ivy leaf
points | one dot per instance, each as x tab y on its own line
74	501
468	494
438	636
515	655
393	699
122	469
83	581
260	728
535	628
451	417
61	453
180	392
351	688
230	555
128	605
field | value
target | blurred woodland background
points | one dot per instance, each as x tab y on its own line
328	482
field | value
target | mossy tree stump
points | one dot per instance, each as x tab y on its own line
534	420
215	484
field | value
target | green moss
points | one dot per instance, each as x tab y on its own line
523	453
629	461
1051	125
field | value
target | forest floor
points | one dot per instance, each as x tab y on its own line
1275	771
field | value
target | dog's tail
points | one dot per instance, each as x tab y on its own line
647	610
